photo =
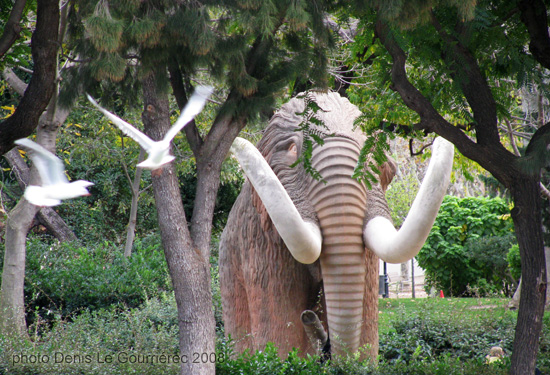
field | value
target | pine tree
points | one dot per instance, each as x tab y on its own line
251	50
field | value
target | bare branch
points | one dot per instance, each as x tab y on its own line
14	81
419	152
511	135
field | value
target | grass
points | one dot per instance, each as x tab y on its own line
442	309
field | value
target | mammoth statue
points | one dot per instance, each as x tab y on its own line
294	244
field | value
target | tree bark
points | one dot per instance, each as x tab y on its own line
189	269
12	296
42	85
132	221
12	28
528	224
534	17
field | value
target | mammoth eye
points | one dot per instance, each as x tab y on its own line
293	149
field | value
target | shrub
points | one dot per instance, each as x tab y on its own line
431	339
69	278
487	258
468	243
83	345
514	262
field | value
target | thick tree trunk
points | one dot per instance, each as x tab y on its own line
515	299
42	85
528	224
189	269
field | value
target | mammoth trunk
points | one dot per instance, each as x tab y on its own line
340	204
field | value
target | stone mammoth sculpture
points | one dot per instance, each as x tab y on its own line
293	244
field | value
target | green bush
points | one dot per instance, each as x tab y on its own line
84	345
268	362
514	262
431	339
488	260
67	278
466	249
430	343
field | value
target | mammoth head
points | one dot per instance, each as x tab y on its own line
338	218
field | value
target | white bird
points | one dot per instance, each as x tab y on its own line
55	185
159	151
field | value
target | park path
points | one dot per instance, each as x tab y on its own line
401	286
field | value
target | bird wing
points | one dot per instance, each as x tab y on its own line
144	141
50	167
194	107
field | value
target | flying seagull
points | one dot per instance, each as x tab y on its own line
159	151
55	185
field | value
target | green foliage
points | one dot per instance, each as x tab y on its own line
421	337
468	243
514	262
266	362
400	196
67	279
20	51
489	256
371	157
313	130
251	49
83	345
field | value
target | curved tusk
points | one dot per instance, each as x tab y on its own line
394	246
303	238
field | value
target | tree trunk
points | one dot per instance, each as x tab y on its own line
528	224
515	299
189	269
132	221
44	44
12	296
47	216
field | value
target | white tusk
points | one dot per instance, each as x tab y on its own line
303	238
395	246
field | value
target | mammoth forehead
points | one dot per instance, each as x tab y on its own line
337	113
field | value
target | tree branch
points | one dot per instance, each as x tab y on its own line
466	72
178	87
431	120
42	85
511	135
14	81
533	15
421	151
12	28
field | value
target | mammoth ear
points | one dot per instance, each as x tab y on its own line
387	172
